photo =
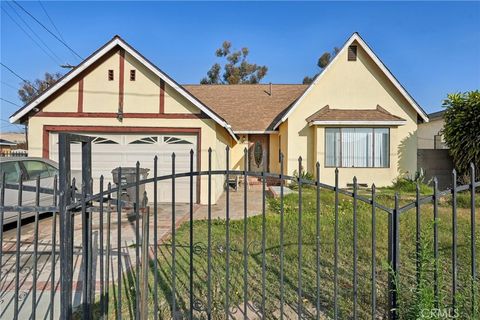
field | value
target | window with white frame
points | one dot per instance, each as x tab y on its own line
357	147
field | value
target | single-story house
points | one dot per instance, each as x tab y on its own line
355	116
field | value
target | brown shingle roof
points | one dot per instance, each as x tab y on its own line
248	107
378	114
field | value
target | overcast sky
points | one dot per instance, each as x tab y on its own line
433	48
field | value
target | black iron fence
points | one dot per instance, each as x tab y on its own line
320	252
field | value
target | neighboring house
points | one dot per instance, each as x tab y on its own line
355	115
6	146
432	156
18	137
429	133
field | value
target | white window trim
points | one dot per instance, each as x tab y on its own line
373	166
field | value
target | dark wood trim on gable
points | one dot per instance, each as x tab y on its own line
121	80
80	96
162	96
125	115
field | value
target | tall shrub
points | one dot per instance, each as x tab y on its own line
461	130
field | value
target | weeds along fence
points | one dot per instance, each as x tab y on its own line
322	252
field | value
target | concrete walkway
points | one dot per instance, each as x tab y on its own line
254	204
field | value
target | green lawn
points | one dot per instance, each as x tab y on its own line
410	301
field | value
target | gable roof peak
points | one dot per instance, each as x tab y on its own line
356	37
107	47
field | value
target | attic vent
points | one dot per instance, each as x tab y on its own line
352	53
110	75
132	75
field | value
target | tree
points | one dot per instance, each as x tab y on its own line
461	130
322	63
236	69
28	91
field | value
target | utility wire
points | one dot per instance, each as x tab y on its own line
51	21
55	27
8	85
12	125
33	31
48	30
52	54
16	74
7	101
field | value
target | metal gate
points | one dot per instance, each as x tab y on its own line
315	254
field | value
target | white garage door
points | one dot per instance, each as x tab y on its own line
113	150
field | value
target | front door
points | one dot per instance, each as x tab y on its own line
258	152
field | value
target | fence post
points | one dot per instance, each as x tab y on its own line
65	227
143	303
393	259
472	236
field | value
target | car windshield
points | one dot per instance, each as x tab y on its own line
35	169
11	170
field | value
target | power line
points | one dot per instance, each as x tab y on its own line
51	21
53	24
15	104
16	74
8	85
57	60
12	125
33	31
48	30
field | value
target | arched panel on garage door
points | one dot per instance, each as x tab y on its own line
113	150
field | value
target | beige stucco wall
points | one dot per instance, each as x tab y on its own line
237	151
143	94
427	132
274	161
176	103
283	137
66	102
353	85
99	94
